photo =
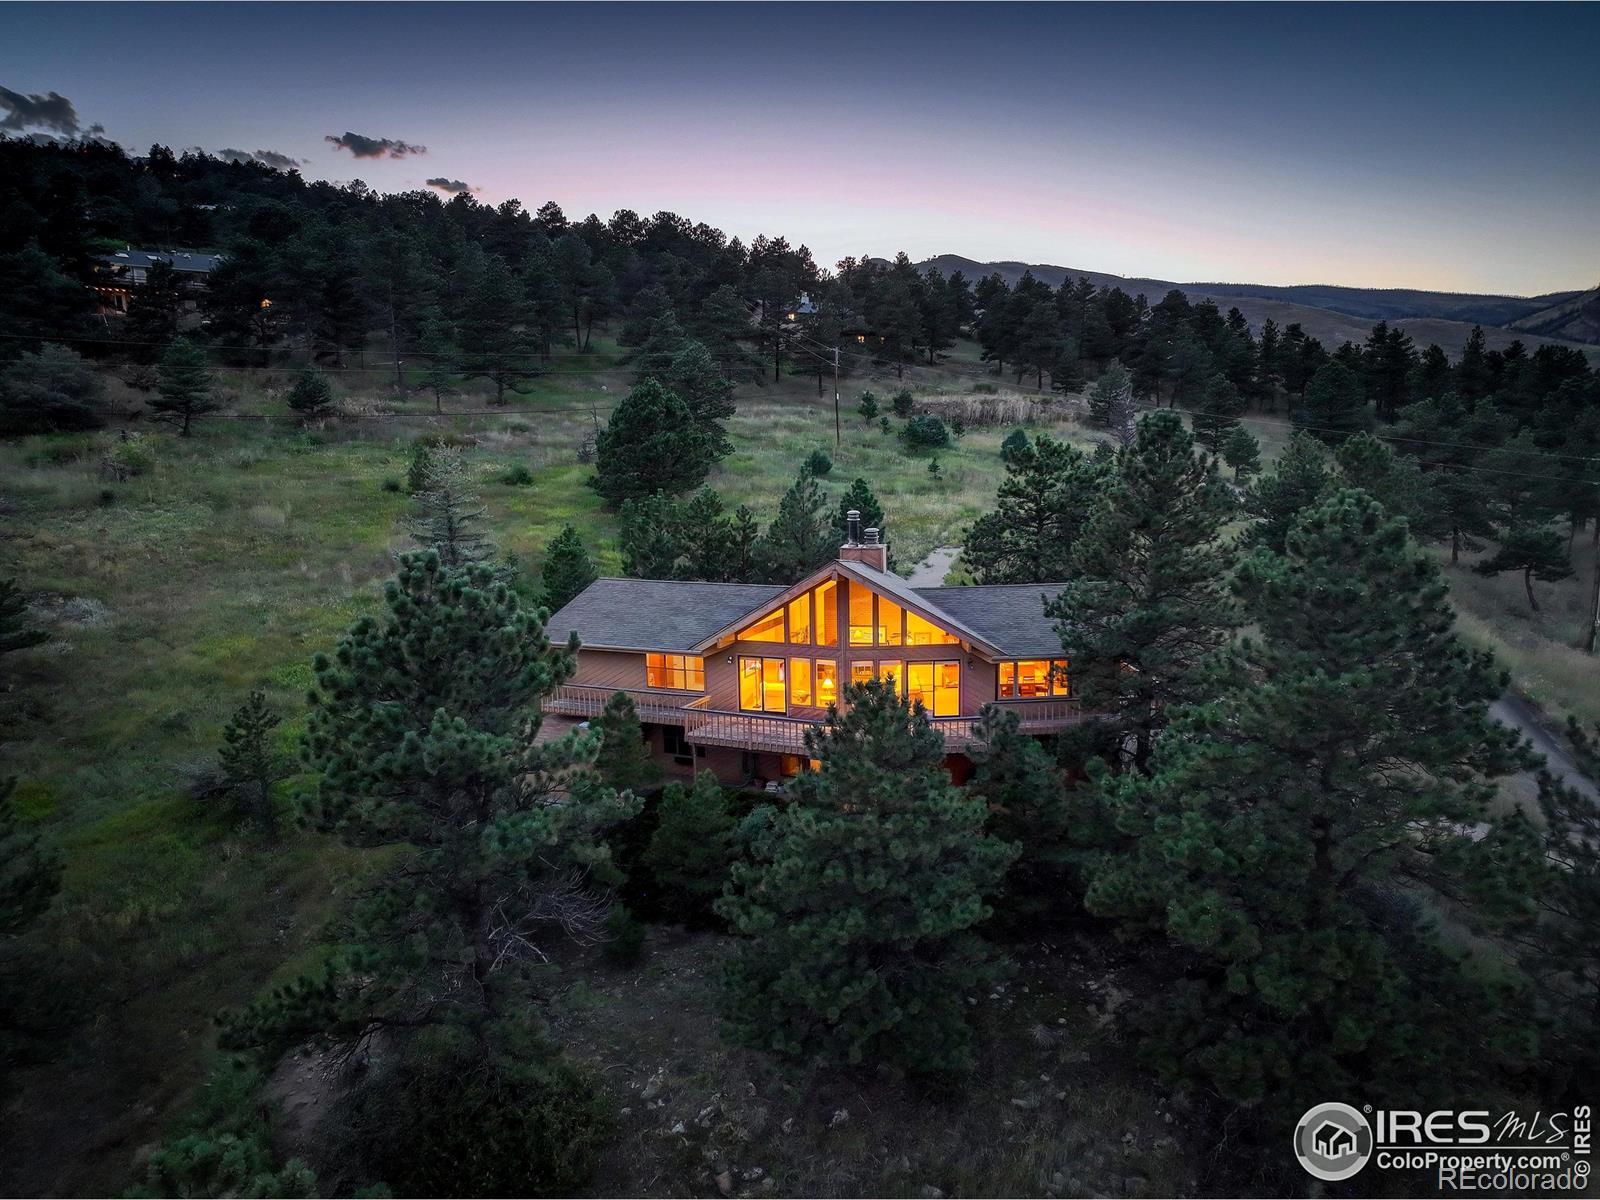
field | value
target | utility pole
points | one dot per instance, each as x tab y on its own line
838	436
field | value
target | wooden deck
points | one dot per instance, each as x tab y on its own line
783	734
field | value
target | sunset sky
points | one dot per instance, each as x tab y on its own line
1436	146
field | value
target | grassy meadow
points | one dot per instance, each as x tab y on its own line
239	553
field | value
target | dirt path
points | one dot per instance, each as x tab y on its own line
1513	711
930	572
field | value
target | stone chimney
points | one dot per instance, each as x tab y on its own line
864	548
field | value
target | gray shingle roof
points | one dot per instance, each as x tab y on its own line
656	614
181	260
1009	616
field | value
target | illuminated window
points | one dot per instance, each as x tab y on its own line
683	672
936	686
827	598
860	615
1034	679
761	685
827	682
800	621
768	629
895	670
861	672
800	681
890	632
926	633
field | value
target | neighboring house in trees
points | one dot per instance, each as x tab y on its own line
116	275
729	676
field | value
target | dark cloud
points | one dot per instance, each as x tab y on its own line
362	146
267	158
450	185
50	111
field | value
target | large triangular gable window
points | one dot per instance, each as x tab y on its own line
810	619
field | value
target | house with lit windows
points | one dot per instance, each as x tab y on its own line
729	676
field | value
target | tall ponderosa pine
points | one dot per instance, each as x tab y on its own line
1146	605
652	443
800	538
1534	551
1111	403
698	381
1217	412
1242	452
1335	405
1041	508
422	732
691	851
184	388
450	517
495	333
861	899
624	761
566	571
1299	479
1342	768
1021	788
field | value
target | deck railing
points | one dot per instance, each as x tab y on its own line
587	700
787	734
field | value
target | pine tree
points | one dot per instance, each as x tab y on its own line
1111	403
1025	797
650	534
250	763
859	497
1041	507
183	392
624	761
861	899
663	342
694	375
1299	479
1537	551
440	356
154	310
1334	406
1449	438
495	333
1217	412
566	571
450	517
1145	604
1345	764
868	408
423	734
652	443
53	390
799	539
1242	452
311	398
16	631
30	876
691	851
418	466
1393	480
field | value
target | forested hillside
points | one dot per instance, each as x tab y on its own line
298	893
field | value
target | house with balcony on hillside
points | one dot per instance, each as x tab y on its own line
729	676
118	274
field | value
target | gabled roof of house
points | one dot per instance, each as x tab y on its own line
656	614
1007	620
181	260
1009	616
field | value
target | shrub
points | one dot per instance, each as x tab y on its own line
958	427
517	476
868	408
472	1125
49	391
985	389
132	455
624	944
691	851
903	403
925	432
392	484
883	424
1016	444
818	463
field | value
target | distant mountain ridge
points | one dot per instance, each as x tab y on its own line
1337	314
